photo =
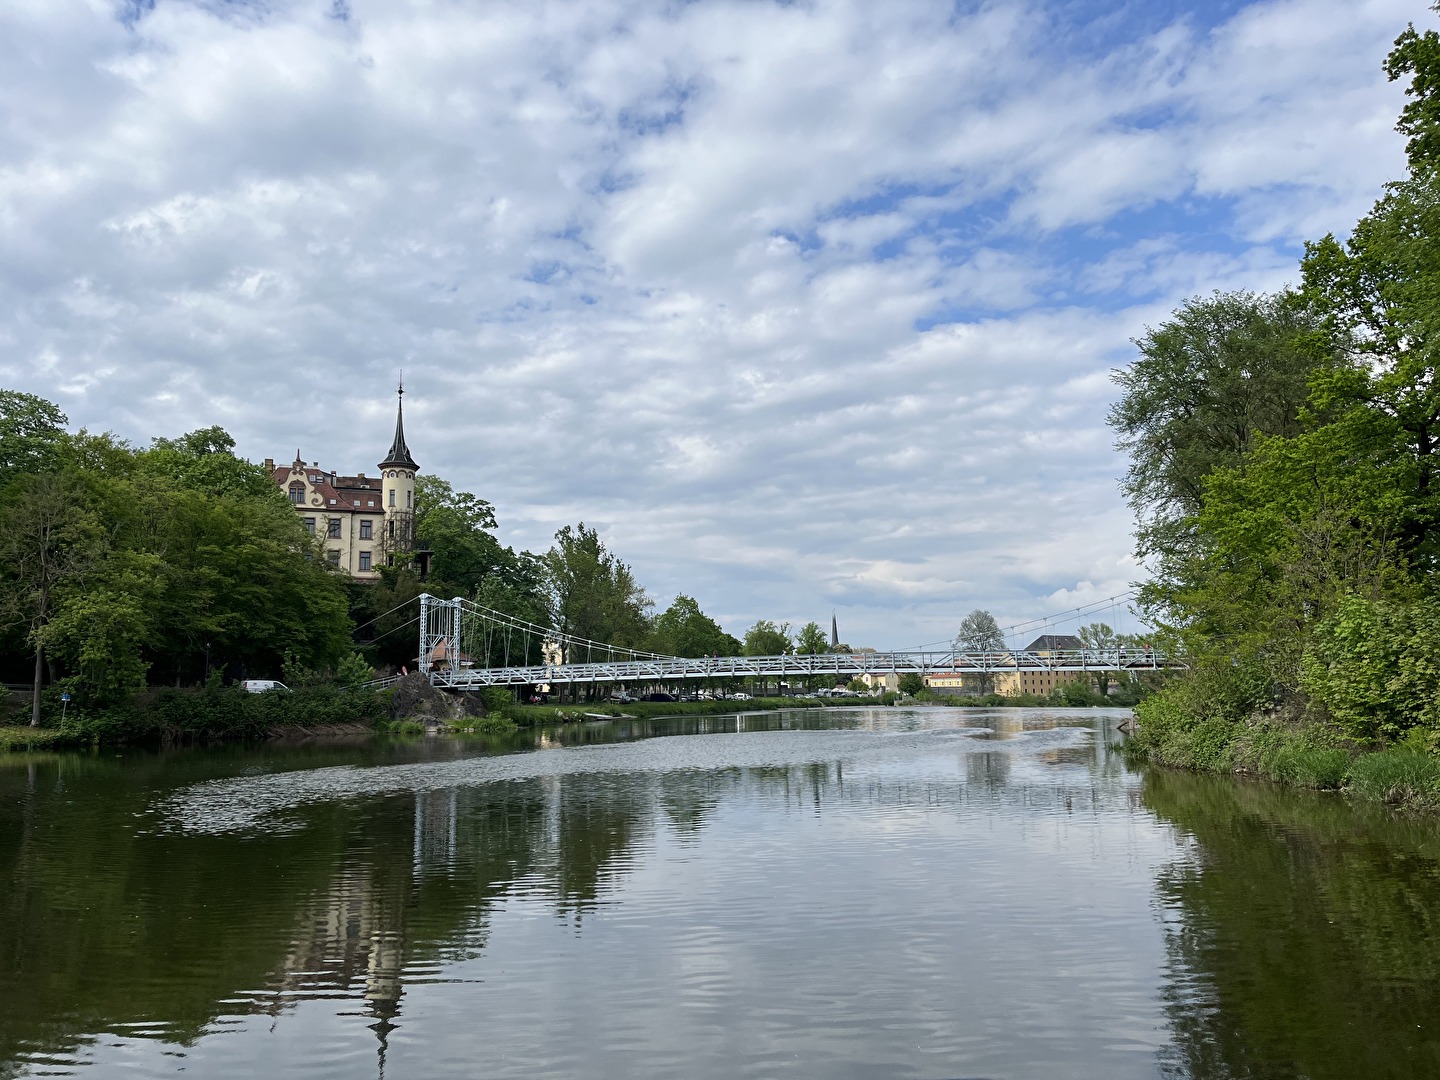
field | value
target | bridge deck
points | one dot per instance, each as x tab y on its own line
678	669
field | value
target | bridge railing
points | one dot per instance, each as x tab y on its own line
820	665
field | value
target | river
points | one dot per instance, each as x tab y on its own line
930	893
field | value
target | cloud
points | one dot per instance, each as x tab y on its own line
810	306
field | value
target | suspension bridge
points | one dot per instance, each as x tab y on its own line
466	646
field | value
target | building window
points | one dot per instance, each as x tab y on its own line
364	560
407	499
392	496
297	493
364	530
334	557
310	526
334	529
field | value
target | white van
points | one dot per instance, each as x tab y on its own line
260	686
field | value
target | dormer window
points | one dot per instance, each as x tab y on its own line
297	493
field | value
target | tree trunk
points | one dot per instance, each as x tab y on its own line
35	690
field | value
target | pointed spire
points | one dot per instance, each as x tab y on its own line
834	631
399	452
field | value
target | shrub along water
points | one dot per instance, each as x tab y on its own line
217	712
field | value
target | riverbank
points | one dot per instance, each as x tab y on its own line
229	714
200	715
1172	731
536	715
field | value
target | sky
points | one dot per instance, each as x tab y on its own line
809	307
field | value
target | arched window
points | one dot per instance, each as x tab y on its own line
297	493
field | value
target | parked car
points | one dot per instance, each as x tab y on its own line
260	686
657	696
621	697
741	696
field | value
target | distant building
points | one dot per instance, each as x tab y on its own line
1046	644
1040	683
364	521
881	681
1014	683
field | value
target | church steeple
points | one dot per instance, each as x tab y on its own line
834	631
399	453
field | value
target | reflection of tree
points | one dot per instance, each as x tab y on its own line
1308	935
989	770
599	820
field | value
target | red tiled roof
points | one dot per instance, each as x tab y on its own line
350	493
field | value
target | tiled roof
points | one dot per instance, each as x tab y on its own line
349	493
1054	643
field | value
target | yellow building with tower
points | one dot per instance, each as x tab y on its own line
365	522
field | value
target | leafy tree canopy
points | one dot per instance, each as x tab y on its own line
683	629
766	638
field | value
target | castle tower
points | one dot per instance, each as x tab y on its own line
397	477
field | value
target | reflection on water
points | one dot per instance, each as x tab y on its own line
927	893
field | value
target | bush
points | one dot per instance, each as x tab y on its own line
215	712
498	701
1376	666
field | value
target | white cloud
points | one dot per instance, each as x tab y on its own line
807	305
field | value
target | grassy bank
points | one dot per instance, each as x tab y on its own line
1192	725
536	715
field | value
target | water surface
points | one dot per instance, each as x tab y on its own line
847	893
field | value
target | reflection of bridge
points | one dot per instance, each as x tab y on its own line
465	646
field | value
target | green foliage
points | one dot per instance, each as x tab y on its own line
215	712
911	683
766	638
1375	666
1418	56
683	629
353	672
31	432
812	640
592	593
1220	372
1399	775
458	527
498	700
126	567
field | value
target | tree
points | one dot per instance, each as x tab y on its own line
31	429
1418	55
1100	638
1377	291
1219	372
683	629
766	638
812	640
457	526
50	542
979	632
911	683
204	460
592	593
